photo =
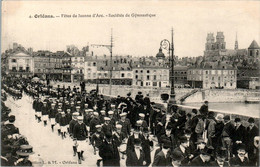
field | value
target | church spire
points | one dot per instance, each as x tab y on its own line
236	43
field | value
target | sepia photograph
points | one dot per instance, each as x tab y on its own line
130	83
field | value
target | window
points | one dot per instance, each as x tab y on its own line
105	74
212	78
251	53
257	52
154	77
123	75
141	71
136	77
148	71
27	69
231	84
20	68
13	68
13	60
89	64
154	83
225	84
94	64
136	71
148	77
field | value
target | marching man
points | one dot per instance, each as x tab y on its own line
52	115
80	134
72	123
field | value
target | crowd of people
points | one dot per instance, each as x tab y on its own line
15	149
125	128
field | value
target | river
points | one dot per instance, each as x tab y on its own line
252	109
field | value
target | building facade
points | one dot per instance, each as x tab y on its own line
20	63
213	76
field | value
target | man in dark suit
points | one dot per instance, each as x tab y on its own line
220	159
252	131
108	152
136	157
241	159
202	159
238	135
176	159
163	157
183	149
204	109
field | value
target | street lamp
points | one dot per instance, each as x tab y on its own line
110	48
165	44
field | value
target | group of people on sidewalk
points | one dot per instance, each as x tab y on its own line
130	129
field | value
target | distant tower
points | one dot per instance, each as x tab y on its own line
210	42
236	43
254	49
220	41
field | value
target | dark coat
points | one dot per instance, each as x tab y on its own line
71	125
63	121
197	161
126	126
52	113
146	144
107	128
161	160
97	139
109	154
251	133
80	132
94	121
132	159
185	161
236	161
215	163
130	141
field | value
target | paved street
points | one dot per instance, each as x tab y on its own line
52	149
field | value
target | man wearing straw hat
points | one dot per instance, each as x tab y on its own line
80	134
52	115
24	153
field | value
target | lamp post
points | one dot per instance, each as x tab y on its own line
169	46
110	48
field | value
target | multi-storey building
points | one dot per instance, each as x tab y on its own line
180	76
66	67
78	65
213	75
20	63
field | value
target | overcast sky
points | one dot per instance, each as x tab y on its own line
134	36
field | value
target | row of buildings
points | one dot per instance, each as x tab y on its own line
219	67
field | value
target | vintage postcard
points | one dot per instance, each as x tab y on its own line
130	83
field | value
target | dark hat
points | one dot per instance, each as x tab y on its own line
11	118
177	156
187	131
145	130
206	102
183	139
168	127
237	119
221	153
207	151
241	146
211	114
251	120
137	141
195	111
25	150
226	118
108	135
166	143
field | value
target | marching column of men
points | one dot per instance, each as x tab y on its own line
130	128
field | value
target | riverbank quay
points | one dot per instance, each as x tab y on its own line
211	95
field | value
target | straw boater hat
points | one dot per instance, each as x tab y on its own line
78	107
141	115
98	126
118	126
75	114
25	150
80	118
123	114
103	111
111	112
107	119
96	113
